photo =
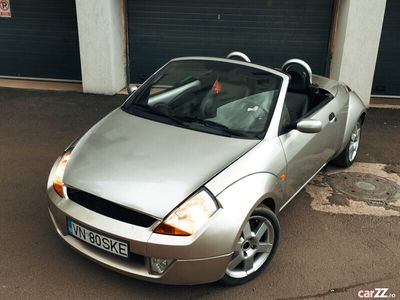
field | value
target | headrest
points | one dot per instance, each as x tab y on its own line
300	73
298	81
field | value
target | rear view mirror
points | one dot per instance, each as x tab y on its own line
132	88
309	126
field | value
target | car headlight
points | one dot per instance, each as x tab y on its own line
58	176
190	216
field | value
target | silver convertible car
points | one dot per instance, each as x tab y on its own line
183	183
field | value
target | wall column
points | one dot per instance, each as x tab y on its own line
102	45
356	44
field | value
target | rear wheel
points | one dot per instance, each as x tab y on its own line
255	248
348	155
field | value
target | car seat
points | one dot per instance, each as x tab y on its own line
297	100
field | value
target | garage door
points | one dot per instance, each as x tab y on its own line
268	31
387	79
40	40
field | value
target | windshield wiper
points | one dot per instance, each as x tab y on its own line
217	126
154	111
184	121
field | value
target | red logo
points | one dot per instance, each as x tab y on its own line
217	87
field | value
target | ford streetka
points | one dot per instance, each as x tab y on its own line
183	183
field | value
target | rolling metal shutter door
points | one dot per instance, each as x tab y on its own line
387	79
40	40
268	31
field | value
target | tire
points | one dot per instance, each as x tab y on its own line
346	158
256	247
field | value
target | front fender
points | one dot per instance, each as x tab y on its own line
242	197
221	232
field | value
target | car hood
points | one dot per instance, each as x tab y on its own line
146	165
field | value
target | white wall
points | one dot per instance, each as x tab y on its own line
356	44
101	27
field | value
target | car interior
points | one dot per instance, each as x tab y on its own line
303	97
211	95
222	97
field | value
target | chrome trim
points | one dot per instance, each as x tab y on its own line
238	54
238	62
300	62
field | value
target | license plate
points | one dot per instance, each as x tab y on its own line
98	240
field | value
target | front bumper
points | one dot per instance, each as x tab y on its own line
190	265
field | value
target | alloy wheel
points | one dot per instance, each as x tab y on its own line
354	141
253	248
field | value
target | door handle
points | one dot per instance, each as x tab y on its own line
332	117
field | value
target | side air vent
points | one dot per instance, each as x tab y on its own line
109	209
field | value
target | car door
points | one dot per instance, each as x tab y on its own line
307	153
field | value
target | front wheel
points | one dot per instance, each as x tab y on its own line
348	155
255	248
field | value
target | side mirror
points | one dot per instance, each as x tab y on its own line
132	88
309	126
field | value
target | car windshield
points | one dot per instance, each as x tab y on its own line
219	97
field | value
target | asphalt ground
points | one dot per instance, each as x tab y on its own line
321	255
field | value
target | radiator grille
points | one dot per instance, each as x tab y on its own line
109	209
